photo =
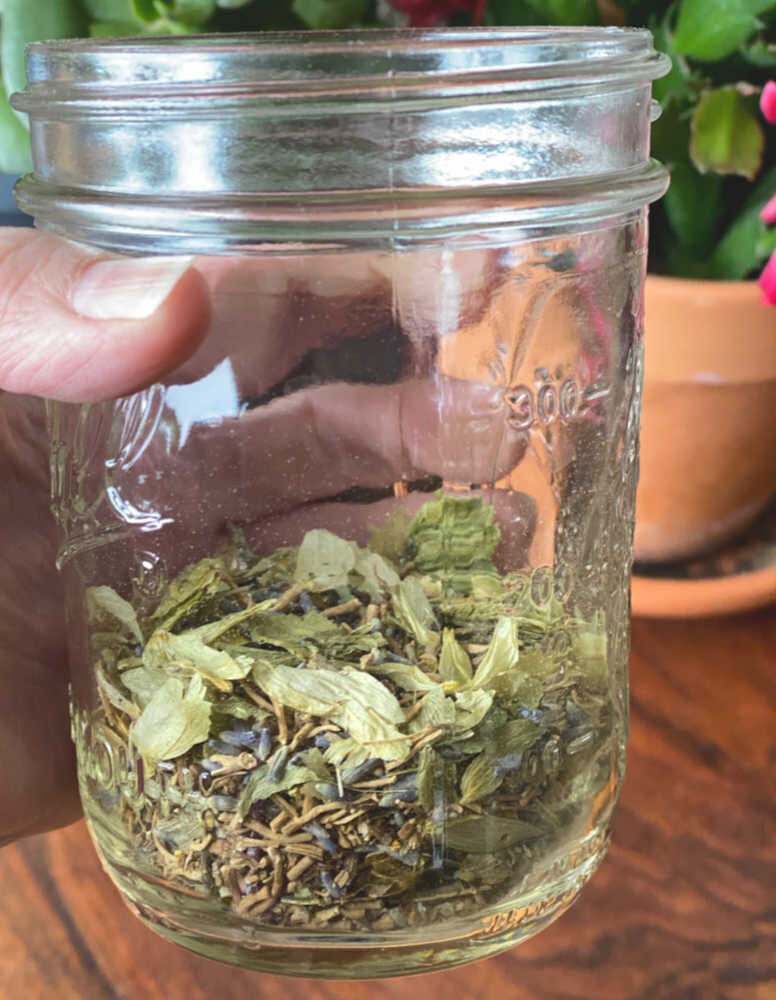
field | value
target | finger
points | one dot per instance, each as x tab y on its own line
317	443
80	326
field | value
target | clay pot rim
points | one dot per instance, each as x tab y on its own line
739	291
664	598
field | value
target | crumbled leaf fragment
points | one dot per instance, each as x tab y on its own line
176	718
102	601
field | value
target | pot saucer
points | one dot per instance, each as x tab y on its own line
739	576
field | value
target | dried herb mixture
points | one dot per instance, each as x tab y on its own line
355	738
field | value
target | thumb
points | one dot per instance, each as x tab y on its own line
80	326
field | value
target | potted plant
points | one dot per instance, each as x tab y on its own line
708	434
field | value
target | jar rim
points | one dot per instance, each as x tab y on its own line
98	76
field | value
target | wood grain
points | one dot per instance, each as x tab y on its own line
684	908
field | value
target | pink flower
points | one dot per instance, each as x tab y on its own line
427	13
768	102
767	282
768	214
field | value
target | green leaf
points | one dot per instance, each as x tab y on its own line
329	14
263	783
414	612
453	533
682	82
760	53
471	707
710	30
568	12
726	136
146	10
527	12
196	583
436	710
324	560
405	675
113	29
454	662
104	601
374	574
390	538
501	656
15	155
745	245
188	652
181	830
353	699
692	204
26	21
114	696
120	11
144	682
485	834
174	720
487	771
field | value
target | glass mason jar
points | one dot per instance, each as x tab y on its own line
348	591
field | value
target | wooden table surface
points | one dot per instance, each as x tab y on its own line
684	907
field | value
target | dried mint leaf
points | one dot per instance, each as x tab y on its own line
102	601
486	834
454	662
324	560
166	651
355	700
487	771
195	584
414	612
176	718
452	533
501	657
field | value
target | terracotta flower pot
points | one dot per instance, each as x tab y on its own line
708	439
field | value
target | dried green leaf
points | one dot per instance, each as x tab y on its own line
195	584
501	656
144	682
175	653
390	538
101	601
347	753
486	834
180	831
471	707
237	707
373	574
454	662
211	631
436	710
297	634
452	533
324	560
351	698
405	675
114	696
176	718
487	771
414	612
263	783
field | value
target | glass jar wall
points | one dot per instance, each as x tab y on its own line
348	591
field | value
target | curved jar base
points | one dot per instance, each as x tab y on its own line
317	955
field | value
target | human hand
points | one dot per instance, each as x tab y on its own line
271	463
72	327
